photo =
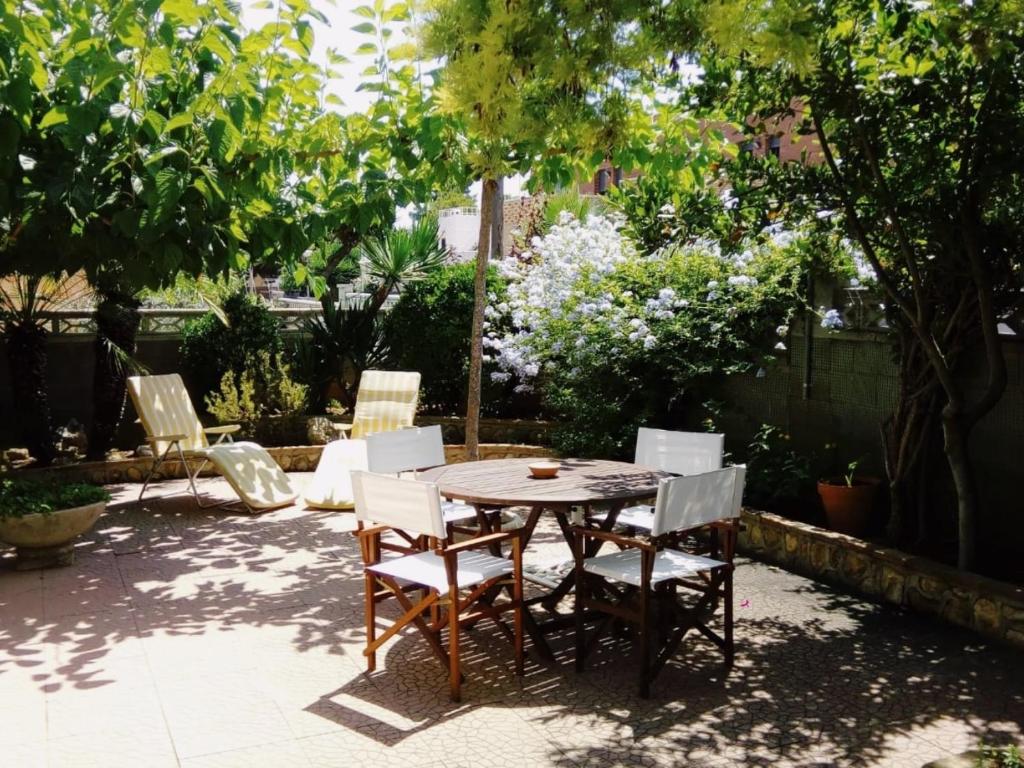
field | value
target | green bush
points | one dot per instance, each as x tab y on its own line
212	348
26	497
264	388
775	470
428	331
614	338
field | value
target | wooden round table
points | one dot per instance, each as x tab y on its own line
500	483
508	483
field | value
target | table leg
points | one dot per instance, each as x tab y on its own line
592	546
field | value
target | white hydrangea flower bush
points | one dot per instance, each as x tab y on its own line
604	326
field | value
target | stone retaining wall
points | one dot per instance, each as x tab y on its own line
298	458
990	607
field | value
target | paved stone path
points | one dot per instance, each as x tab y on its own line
192	638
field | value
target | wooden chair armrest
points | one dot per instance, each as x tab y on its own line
482	541
616	538
165	438
223	429
376	530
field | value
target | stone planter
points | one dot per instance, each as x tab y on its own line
44	540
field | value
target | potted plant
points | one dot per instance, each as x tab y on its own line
848	500
42	520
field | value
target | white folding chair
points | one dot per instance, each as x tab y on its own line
408	451
681	453
458	584
626	584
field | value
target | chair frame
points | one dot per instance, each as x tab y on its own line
713	587
225	433
449	609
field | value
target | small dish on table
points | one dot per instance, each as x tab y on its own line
543	470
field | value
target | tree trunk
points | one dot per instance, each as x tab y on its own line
488	191
498	220
963	479
117	324
26	354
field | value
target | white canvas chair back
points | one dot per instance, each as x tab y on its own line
165	408
407	505
386	401
691	501
681	453
405	450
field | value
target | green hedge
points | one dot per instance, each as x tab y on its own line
428	331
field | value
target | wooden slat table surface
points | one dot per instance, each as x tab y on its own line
508	483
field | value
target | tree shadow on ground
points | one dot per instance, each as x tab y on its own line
821	677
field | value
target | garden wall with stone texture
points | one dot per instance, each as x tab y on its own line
992	608
299	458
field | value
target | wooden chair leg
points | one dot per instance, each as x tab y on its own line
645	643
517	596
371	620
454	674
728	598
581	628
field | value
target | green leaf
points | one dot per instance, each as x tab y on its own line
182	120
365	28
161	153
366	48
58	115
365	11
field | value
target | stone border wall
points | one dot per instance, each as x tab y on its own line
992	608
298	458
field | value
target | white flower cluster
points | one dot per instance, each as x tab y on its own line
547	279
560	309
831	320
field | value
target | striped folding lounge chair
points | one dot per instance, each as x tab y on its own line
173	430
386	401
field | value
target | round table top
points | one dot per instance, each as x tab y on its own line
508	482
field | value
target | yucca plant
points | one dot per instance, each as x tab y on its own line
339	345
401	256
23	302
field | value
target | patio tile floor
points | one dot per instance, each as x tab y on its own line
208	639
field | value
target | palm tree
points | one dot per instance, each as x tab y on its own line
23	300
401	256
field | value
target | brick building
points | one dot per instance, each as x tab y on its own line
777	136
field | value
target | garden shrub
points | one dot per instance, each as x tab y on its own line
263	388
428	331
776	472
212	348
615	339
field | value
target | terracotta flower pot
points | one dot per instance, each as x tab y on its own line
45	540
848	507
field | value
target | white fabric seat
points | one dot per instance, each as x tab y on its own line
625	566
457	511
331	486
640	516
709	499
427	568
